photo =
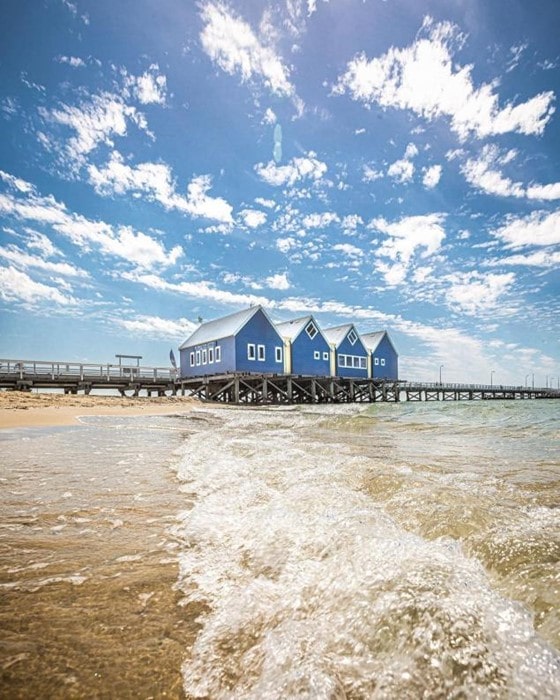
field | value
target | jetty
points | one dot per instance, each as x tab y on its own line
245	388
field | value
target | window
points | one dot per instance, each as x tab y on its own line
218	353
342	360
197	358
192	359
204	356
352	337
210	356
376	361
251	351
383	362
326	356
316	355
278	352
363	364
311	330
355	361
261	351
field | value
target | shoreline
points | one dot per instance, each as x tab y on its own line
41	410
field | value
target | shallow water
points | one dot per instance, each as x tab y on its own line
387	551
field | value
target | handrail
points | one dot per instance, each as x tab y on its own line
58	369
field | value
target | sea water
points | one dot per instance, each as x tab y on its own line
388	551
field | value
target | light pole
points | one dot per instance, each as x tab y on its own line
440	368
491	375
526	378
533	375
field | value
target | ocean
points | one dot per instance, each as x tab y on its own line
384	551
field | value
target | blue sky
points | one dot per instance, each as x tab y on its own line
393	163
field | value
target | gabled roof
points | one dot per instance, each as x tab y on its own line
221	327
372	340
337	334
292	329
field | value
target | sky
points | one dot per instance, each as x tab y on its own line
392	163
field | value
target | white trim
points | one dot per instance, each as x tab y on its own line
326	356
352	337
261	353
316	355
278	354
218	353
210	356
251	351
383	362
311	330
204	356
198	358
192	358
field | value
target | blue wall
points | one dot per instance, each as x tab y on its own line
346	348
226	363
385	353
259	331
303	361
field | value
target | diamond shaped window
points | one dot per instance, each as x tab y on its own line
352	337
311	330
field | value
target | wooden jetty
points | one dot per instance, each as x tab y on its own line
243	388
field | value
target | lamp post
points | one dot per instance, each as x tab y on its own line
440	368
533	375
491	375
526	378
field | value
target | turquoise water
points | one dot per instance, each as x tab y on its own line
387	551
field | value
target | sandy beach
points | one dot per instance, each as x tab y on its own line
27	410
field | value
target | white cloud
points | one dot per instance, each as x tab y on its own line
538	229
268	203
323	220
252	217
157	327
432	176
284	245
306	167
18	286
23	260
350	251
404	238
401	170
371	174
122	242
38	241
269	117
278	281
150	87
475	292
231	43
95	122
541	258
72	61
156	181
426	79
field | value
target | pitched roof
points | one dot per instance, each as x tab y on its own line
291	329
220	327
336	334
372	340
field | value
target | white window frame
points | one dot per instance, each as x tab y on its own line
198	358
363	363
192	359
355	362
261	353
278	353
383	362
210	356
204	356
251	351
342	360
311	330
326	356
218	353
316	355
376	361
352	337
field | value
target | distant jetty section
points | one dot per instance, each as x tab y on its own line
245	388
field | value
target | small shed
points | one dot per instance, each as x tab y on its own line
349	355
384	357
246	341
306	350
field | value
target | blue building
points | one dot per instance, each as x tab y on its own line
384	357
349	356
306	350
246	341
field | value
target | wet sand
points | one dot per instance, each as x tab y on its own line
88	567
27	410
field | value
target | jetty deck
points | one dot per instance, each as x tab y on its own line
239	388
